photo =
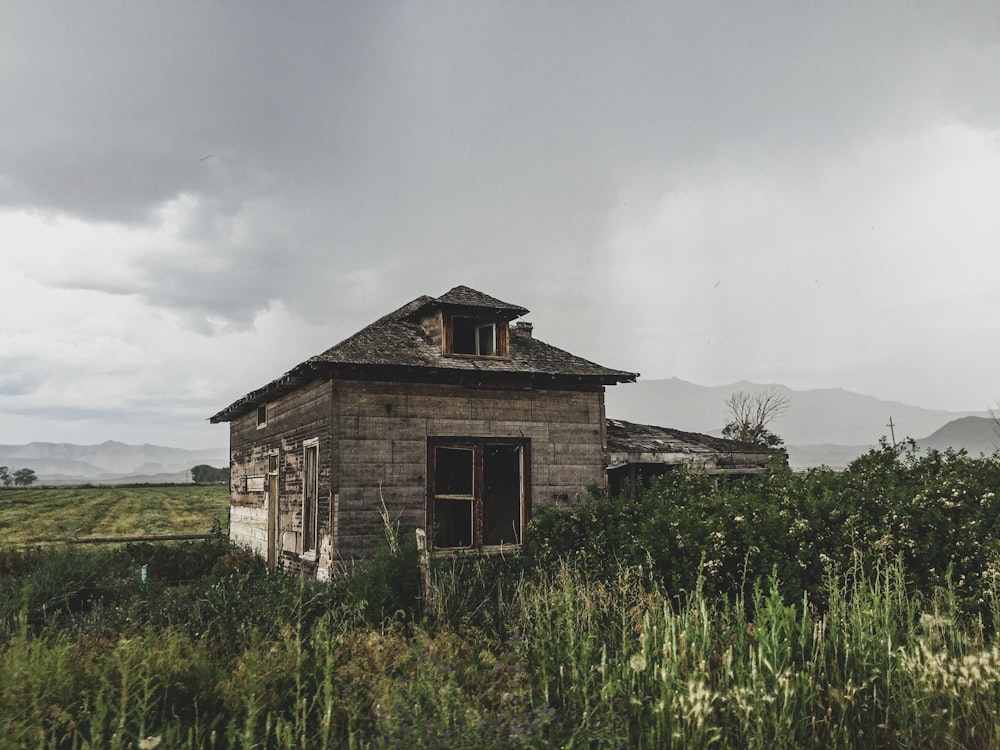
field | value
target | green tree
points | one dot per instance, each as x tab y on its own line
24	477
5	477
750	414
205	474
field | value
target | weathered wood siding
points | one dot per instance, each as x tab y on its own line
373	449
382	430
291	420
248	527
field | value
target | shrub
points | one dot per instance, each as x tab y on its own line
387	585
938	512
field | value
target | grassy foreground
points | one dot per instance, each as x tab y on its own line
856	609
53	514
503	657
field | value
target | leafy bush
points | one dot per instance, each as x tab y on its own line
938	512
387	585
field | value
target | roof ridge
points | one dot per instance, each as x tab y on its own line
398	315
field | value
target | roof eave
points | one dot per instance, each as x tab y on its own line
294	378
313	369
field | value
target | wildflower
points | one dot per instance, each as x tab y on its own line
637	663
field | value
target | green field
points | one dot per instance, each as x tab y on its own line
45	515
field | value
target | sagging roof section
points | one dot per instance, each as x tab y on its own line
636	444
397	347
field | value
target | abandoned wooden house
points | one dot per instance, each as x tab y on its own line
455	418
445	415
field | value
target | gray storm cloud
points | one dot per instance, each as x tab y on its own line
337	159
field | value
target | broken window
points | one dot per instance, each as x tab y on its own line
262	415
310	497
472	336
501	494
478	493
453	497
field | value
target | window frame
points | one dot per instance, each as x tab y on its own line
478	446
500	336
262	414
479	328
273	503
309	538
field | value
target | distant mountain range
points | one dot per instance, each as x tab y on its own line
829	426
110	462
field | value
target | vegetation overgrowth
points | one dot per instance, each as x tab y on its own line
938	512
650	645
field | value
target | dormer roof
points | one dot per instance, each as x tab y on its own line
397	347
470	299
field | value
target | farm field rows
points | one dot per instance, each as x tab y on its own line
46	515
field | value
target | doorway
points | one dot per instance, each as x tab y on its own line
272	511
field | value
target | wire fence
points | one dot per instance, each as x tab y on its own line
139	538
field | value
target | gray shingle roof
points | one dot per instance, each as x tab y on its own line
463	296
396	346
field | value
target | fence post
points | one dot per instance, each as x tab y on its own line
423	563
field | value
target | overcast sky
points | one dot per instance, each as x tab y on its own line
195	197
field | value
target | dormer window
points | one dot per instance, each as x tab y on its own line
470	336
476	337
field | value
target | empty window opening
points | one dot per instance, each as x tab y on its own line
454	471
502	496
453	497
310	497
453	526
262	415
478	494
470	336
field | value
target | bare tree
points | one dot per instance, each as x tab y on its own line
749	415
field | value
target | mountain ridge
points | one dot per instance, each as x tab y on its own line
823	426
105	461
833	416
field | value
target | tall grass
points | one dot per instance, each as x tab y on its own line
508	657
